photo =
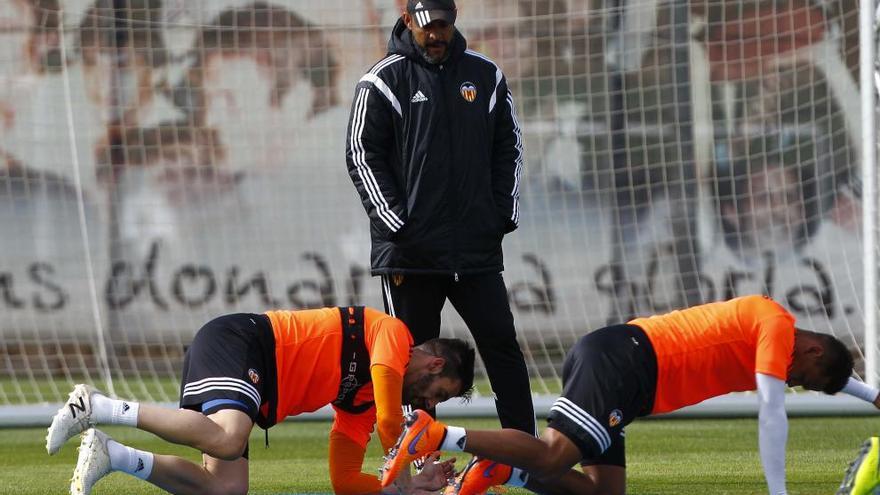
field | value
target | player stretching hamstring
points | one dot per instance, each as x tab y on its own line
648	366
243	369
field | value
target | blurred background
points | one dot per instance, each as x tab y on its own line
165	162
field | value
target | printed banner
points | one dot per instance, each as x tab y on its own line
193	164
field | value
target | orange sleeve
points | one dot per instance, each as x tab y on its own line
774	334
773	353
388	394
346	457
390	343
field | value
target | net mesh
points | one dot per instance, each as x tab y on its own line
165	162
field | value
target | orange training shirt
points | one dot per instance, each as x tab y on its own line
308	344
716	348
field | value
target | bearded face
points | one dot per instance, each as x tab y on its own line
415	393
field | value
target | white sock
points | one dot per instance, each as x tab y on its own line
113	411
518	477
128	460
455	439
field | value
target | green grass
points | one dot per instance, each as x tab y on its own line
664	456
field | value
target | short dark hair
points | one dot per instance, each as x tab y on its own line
837	361
459	358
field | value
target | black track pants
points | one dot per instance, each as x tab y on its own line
481	300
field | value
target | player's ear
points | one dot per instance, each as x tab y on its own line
407	19
436	364
815	350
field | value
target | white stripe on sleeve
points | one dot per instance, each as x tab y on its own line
391	220
498	75
385	90
517	174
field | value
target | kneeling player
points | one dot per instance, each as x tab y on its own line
648	366
243	369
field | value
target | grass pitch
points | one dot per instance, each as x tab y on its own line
664	456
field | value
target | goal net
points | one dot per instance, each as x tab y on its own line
163	162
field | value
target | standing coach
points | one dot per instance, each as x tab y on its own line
435	152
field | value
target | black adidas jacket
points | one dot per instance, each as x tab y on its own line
435	152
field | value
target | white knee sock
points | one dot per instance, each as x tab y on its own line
128	460
113	411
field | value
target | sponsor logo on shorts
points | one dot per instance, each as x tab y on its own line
397	280
254	376
615	418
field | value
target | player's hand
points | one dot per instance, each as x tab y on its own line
877	401
435	475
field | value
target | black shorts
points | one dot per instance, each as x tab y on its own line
230	365
609	379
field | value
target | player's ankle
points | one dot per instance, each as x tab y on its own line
129	460
518	478
113	411
454	440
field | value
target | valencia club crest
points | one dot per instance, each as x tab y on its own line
468	91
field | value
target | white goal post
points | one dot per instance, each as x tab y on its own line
163	162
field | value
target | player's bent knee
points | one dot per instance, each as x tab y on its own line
550	467
557	457
230	443
606	479
236	488
225	447
231	451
